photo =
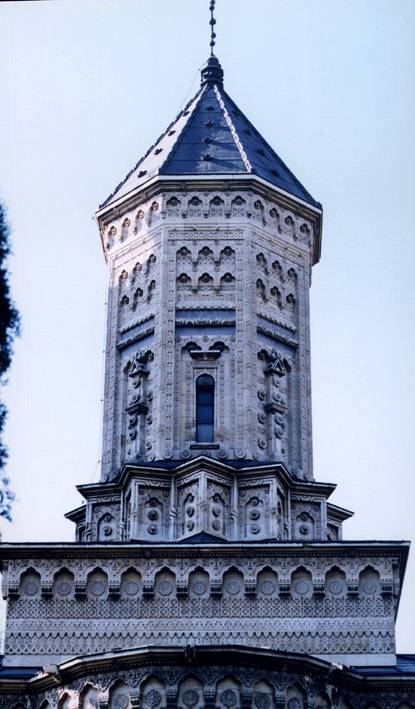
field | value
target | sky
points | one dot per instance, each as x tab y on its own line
87	87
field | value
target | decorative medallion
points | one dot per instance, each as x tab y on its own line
370	587
121	701
165	588
302	587
131	588
268	587
152	699
199	588
190	697
97	588
64	588
30	588
233	588
228	698
262	701
336	587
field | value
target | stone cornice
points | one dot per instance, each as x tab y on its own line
215	182
299	487
213	655
353	548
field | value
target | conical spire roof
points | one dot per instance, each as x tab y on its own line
211	136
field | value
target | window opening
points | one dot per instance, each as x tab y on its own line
205	408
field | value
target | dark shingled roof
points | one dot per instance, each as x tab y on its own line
211	136
19	673
405	665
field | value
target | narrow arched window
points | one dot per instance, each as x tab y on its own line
205	408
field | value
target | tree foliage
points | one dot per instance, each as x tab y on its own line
9	328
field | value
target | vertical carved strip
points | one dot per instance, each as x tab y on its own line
303	369
111	374
240	355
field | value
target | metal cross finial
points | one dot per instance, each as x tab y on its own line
212	23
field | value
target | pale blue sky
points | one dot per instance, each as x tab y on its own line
88	85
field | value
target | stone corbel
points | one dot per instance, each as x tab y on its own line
103	699
353	589
319	590
210	698
274	407
148	590
171	698
246	698
387	590
137	407
250	590
135	700
181	590
80	591
12	591
46	591
114	591
216	590
285	589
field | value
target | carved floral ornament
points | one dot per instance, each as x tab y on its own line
136	366
276	363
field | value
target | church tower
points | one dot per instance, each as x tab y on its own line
209	241
209	568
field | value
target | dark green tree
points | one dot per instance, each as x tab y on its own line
9	328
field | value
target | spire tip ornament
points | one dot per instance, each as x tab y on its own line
212	23
212	72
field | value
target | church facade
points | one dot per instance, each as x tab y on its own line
209	568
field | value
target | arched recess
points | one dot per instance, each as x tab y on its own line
45	704
301	583
89	698
63	584
97	585
238	206
335	583
296	697
228	693
66	701
369	582
233	585
119	696
131	584
322	701
199	584
165	584
267	583
263	696
191	694
153	693
30	584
